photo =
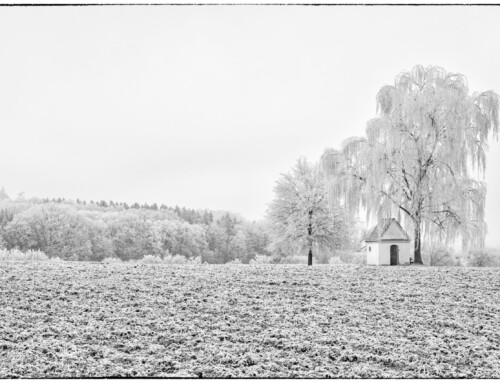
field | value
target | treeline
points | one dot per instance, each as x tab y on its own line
93	231
188	215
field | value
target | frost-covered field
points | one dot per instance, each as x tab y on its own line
91	320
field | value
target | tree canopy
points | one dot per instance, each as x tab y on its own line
419	156
299	215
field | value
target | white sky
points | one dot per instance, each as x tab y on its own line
204	107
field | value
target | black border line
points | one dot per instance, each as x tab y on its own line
252	4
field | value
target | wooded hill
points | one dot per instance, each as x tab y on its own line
81	230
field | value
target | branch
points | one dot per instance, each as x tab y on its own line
388	196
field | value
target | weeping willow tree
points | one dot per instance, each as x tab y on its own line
418	157
299	216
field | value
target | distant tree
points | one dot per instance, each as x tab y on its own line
416	159
215	237
6	216
56	229
226	239
228	225
190	240
167	230
299	215
3	194
238	250
208	217
101	245
256	240
134	235
177	210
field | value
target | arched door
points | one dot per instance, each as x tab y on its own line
394	255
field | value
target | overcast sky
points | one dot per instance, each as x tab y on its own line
204	107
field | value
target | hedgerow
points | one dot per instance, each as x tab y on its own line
27	256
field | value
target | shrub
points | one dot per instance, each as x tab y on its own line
354	258
150	259
294	259
439	256
484	258
195	261
28	256
335	261
37	255
155	260
322	257
112	260
4	255
175	259
261	260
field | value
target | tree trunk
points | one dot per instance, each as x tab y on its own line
226	256
309	231
417	254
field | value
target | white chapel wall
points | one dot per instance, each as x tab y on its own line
372	253
404	253
385	253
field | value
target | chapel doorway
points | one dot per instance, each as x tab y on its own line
394	255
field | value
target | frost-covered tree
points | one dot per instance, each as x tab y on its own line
3	194
226	240
256	240
418	157
134	235
190	240
299	215
57	230
98	235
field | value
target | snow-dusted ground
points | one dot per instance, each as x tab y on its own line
90	320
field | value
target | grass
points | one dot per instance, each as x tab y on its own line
157	320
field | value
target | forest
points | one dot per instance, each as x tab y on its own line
106	230
93	231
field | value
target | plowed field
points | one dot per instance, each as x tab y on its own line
125	320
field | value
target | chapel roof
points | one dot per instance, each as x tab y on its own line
377	233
